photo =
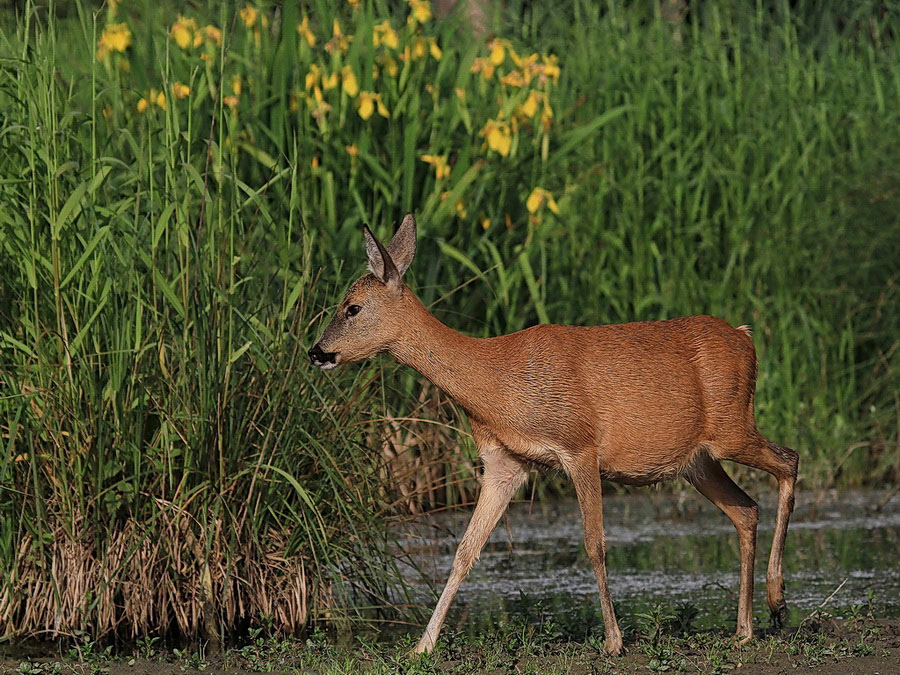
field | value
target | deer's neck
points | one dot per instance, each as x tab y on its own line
461	366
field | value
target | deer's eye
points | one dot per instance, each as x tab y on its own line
352	310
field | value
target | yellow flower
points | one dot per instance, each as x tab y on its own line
352	150
330	81
498	135
383	34
439	162
459	207
153	97
231	101
514	79
306	33
249	15
315	162
530	106
483	66
317	104
538	197
434	50
551	67
315	72
547	114
181	90
116	37
353	3
485	223
182	31
420	10
213	34
498	54
294	102
419	47
351	86
236	86
338	42
522	61
382	108
389	64
367	103
460	94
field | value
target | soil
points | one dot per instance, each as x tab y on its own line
827	646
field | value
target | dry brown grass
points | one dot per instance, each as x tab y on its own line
178	578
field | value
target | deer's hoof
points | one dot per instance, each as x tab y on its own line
779	614
742	637
613	646
425	646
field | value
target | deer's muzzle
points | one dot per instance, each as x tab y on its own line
322	359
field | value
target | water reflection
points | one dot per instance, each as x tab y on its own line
665	548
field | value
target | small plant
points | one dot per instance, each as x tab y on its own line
32	668
146	647
89	651
190	659
662	657
654	621
683	618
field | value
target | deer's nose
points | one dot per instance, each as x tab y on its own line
319	357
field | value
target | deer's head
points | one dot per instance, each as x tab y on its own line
370	317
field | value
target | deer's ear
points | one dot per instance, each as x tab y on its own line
402	248
380	263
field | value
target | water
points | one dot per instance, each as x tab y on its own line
665	548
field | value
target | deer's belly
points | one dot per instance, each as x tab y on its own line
532	450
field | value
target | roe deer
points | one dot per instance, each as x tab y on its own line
634	403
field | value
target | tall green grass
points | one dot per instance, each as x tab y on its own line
171	463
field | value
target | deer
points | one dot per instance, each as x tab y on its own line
634	403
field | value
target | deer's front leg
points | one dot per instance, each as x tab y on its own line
590	499
503	474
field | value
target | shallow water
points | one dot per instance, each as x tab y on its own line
665	548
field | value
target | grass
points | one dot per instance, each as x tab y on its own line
171	465
506	647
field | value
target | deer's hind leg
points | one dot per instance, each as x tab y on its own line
710	479
782	463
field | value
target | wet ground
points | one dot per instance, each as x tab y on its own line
529	604
668	549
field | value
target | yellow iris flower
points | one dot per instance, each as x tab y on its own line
368	103
249	14
499	136
116	37
305	32
384	34
351	86
439	162
538	197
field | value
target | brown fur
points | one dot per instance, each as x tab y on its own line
635	403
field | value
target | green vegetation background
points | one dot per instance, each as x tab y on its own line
170	462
